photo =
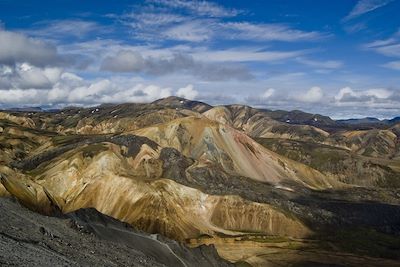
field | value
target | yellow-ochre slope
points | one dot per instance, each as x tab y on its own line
210	141
132	190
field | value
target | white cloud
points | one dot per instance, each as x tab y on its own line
200	30
62	89
328	64
265	32
191	31
91	92
288	99
268	93
246	54
314	94
18	48
124	61
379	43
25	76
205	22
343	92
389	47
345	103
139	93
22	97
392	65
378	93
71	89
133	61
187	92
365	6
201	8
155	19
369	96
356	27
389	50
71	77
63	28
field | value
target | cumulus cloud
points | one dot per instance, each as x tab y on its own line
268	93
92	92
365	6
12	97
349	96
381	103
287	99
18	48
381	93
132	61
344	92
345	103
73	89
70	89
314	94
187	92
124	61
138	93
25	76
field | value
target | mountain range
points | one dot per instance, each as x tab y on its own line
199	185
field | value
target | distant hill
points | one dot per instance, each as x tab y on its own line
360	121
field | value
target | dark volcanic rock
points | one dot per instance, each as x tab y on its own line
88	238
175	164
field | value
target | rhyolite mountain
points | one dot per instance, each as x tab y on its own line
219	185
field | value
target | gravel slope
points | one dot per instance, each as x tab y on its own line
87	238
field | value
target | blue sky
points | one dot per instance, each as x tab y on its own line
339	58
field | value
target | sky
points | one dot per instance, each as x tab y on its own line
338	58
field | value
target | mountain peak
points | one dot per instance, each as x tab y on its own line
179	102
